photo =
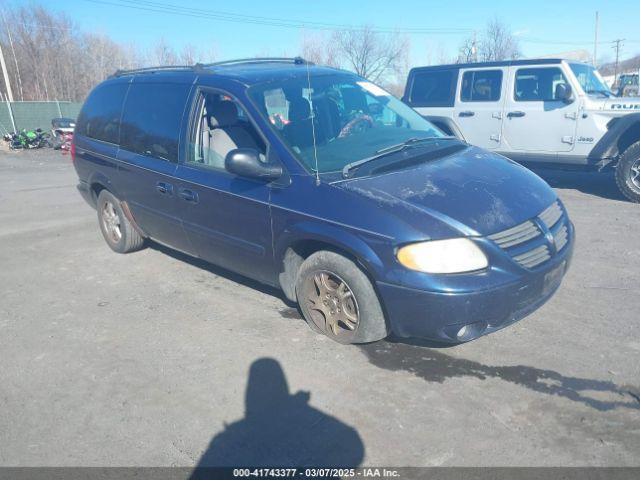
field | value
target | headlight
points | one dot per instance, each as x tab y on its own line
443	256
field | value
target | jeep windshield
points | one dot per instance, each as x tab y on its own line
590	79
341	120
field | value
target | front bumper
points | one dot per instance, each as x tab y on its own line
440	315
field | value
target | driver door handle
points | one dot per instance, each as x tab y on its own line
515	114
466	113
164	188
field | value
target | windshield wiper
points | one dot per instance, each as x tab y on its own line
411	142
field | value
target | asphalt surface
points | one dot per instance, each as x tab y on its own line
154	359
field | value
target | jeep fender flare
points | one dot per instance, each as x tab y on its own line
446	124
608	147
328	237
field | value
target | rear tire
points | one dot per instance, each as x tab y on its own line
338	300
628	173
116	228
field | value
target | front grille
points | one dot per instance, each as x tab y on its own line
516	235
533	257
551	215
527	244
561	238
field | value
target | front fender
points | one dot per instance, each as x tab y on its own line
607	147
365	247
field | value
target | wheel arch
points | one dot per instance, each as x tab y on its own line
446	125
98	182
305	240
621	134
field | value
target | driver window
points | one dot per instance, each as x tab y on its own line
221	125
538	84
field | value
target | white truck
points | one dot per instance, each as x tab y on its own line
551	111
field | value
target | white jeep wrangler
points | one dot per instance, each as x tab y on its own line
548	110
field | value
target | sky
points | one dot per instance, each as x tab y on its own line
542	27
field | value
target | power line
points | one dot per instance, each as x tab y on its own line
159	7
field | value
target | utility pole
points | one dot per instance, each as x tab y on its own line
13	51
595	44
617	46
474	48
6	76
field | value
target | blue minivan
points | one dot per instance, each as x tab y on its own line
319	182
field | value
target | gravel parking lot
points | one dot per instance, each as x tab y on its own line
154	359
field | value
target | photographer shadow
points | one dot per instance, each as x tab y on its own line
281	430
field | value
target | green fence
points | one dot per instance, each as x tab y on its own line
31	115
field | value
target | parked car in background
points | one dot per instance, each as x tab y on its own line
547	111
62	132
627	85
316	181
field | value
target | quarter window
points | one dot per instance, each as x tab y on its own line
434	88
152	119
481	86
100	115
538	84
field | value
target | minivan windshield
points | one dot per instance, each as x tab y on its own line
338	119
590	79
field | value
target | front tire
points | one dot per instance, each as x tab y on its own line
116	228
628	173
338	299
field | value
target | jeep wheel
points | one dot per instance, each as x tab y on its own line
628	173
116	228
338	300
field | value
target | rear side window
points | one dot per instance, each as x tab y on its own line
152	118
100	115
538	84
434	88
481	86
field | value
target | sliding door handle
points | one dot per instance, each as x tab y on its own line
515	114
188	195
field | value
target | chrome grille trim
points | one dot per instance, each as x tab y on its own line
530	246
561	238
515	235
533	257
551	215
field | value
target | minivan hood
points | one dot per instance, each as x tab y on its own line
476	192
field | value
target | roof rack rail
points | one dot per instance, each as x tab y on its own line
132	71
239	61
200	66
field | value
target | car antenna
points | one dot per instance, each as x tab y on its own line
313	128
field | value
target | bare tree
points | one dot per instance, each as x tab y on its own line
496	43
371	54
320	50
468	51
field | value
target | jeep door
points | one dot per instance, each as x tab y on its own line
148	156
536	119
226	217
479	105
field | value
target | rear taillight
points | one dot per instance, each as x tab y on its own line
72	150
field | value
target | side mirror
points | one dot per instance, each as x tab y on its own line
245	162
563	93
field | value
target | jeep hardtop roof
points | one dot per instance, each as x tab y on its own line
249	71
504	63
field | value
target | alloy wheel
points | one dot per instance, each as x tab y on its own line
331	303
111	222
635	173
